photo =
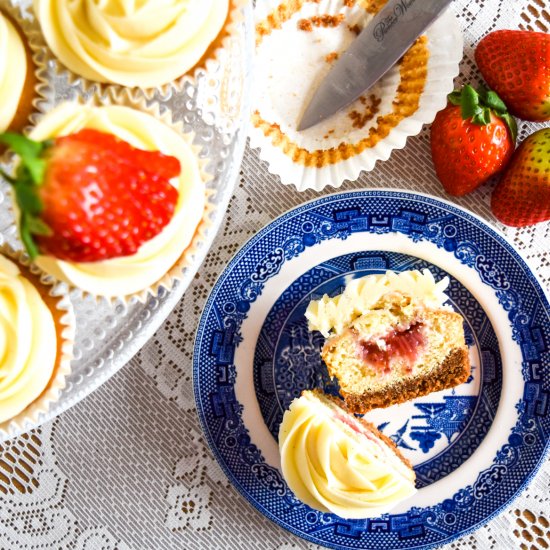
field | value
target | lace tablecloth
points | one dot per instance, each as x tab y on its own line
128	467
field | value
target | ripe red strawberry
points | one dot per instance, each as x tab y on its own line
516	64
472	139
89	196
522	196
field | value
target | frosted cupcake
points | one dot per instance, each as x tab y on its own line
144	44
36	333
17	79
336	462
105	240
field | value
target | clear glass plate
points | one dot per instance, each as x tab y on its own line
473	447
215	106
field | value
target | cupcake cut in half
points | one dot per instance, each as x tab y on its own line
36	339
145	44
109	198
390	339
335	462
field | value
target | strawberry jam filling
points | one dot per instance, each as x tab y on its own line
348	422
355	426
403	345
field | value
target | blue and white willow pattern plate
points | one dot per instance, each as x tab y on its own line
473	448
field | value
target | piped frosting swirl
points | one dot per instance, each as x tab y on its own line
332	315
333	463
28	342
143	43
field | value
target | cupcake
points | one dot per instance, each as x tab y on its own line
144	44
121	200
17	78
36	334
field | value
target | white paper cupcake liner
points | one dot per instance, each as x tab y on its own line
203	75
65	328
284	82
130	98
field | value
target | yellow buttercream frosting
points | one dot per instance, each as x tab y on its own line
13	71
332	315
143	43
131	274
28	345
334	464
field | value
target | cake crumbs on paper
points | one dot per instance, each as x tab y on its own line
305	25
327	135
326	21
374	6
359	120
333	56
355	29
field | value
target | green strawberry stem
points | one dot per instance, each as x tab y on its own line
477	105
29	175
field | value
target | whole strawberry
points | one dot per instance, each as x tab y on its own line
516	64
89	196
522	196
472	139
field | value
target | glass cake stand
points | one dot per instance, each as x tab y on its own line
215	106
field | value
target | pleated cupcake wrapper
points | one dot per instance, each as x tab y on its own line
130	98
204	75
28	27
65	328
273	129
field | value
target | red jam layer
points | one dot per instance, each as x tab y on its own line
355	426
404	345
345	420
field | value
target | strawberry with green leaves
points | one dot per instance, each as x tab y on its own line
522	196
90	196
516	64
472	139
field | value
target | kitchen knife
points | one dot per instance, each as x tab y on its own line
371	55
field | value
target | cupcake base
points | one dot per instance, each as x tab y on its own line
61	310
25	107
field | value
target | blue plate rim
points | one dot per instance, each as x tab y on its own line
395	193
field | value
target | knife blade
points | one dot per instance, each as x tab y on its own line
371	55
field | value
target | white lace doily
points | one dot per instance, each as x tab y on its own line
128	466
